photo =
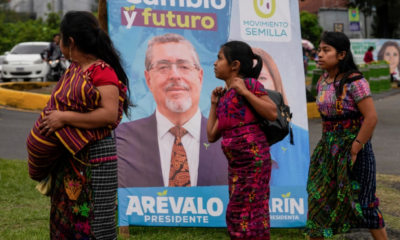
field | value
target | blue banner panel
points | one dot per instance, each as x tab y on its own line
202	206
168	48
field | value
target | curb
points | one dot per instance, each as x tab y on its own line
312	110
10	95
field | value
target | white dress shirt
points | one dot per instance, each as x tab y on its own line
190	141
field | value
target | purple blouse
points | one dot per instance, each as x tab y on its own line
353	93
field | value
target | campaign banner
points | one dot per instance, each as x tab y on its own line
354	15
201	206
384	49
355	26
168	48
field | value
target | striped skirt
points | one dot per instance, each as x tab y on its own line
83	196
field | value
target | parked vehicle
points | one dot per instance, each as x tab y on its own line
24	61
1	63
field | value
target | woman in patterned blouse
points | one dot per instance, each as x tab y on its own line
244	143
341	182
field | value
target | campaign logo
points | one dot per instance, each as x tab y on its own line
354	13
265	9
265	20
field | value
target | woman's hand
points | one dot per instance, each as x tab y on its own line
355	148
218	91
53	121
239	86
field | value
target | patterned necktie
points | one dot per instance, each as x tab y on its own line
179	172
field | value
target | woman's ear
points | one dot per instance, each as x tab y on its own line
342	55
235	65
71	42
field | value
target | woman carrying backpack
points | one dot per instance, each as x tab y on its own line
244	143
341	182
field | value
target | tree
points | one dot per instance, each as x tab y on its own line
26	31
387	20
310	28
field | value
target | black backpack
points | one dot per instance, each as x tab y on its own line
276	131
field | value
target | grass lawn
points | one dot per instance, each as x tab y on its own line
25	212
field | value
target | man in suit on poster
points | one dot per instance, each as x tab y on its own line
170	147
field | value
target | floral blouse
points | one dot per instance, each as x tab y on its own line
353	93
232	110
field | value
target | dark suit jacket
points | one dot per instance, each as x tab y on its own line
139	163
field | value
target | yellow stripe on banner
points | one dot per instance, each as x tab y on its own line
81	135
83	93
96	101
36	156
58	92
37	148
64	143
121	98
69	102
42	141
32	163
39	166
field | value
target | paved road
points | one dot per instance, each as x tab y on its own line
15	126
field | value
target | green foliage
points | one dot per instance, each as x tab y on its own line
310	28
386	22
12	33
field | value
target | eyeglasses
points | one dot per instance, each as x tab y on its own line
164	66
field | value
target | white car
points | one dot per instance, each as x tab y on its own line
24	61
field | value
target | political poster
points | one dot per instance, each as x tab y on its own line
384	49
160	40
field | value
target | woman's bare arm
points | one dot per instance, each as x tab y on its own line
213	132
367	109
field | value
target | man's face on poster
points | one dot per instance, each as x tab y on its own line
174	78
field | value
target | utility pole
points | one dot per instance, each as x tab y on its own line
52	5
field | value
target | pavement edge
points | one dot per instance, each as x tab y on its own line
312	110
34	101
24	100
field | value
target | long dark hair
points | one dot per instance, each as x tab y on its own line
381	54
89	38
341	43
241	51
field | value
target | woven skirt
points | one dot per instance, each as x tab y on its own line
247	213
341	194
84	194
